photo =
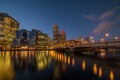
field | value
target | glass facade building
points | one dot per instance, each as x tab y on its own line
34	39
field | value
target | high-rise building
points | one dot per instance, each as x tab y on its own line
32	37
58	37
80	40
49	42
55	34
41	40
62	36
21	38
24	37
8	28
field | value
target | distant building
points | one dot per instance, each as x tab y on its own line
55	34
41	40
8	28
58	37
49	42
86	40
21	38
24	37
62	36
80	40
31	39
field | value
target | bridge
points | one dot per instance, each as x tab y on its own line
90	47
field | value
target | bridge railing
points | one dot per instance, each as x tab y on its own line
98	44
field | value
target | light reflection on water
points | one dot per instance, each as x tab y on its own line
100	72
83	65
95	69
111	75
6	66
17	65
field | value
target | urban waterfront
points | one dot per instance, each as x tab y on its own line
57	65
60	40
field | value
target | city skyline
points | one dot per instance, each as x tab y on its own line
77	18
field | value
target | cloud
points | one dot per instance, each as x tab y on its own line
108	14
105	23
102	27
105	15
90	17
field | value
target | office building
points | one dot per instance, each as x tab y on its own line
58	37
62	36
21	39
8	28
33	39
55	34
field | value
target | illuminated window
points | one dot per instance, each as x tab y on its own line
12	24
1	18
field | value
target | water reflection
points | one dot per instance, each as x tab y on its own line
73	62
42	60
111	75
95	69
102	53
57	65
30	60
100	72
64	59
56	72
6	66
83	65
68	59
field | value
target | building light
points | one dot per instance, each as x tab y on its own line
24	47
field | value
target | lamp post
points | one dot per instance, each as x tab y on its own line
106	35
102	40
116	38
91	39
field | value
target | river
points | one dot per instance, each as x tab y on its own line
56	65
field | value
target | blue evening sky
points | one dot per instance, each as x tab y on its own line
76	17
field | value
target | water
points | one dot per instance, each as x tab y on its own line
52	65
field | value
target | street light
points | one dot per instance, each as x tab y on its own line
102	40
106	35
81	40
91	39
116	38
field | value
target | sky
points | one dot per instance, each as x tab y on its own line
78	18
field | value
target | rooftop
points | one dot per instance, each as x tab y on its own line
6	15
